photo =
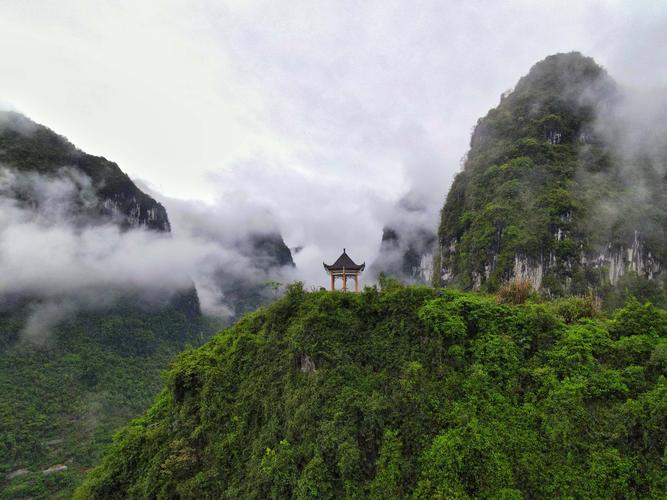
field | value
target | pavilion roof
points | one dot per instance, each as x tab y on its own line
344	262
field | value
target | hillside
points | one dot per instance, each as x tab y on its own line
78	362
406	391
61	401
68	382
550	193
28	147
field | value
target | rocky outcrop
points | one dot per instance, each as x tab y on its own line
132	212
608	265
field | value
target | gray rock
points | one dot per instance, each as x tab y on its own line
17	473
307	364
54	468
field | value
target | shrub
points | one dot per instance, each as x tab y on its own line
515	291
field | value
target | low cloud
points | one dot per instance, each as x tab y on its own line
67	262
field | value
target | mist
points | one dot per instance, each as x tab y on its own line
322	122
329	114
67	262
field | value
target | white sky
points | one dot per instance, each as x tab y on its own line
317	111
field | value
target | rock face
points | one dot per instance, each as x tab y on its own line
247	289
548	195
29	148
408	242
408	257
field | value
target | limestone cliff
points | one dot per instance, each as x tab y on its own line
548	195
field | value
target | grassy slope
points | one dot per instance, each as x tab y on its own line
61	401
416	391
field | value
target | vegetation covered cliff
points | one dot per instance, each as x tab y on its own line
549	193
406	391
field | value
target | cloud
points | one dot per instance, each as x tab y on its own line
327	113
50	252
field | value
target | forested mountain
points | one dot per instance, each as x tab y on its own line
70	375
410	391
79	360
538	374
28	147
553	192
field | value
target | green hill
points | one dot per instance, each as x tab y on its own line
549	193
408	391
61	400
63	394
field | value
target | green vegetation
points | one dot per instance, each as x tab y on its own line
408	391
64	394
541	184
30	148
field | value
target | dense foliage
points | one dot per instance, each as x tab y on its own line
408	391
543	186
64	394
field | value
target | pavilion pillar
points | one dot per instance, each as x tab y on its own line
344	281
333	282
356	282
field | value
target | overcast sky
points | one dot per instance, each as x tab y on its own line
324	114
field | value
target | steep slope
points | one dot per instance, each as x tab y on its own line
407	257
408	243
248	289
548	194
64	391
28	147
408	391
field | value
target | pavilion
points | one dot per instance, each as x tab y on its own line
343	268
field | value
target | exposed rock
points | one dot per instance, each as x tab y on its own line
307	364
407	256
526	270
54	468
17	473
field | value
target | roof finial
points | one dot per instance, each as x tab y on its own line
343	250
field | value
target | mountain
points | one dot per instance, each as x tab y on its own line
28	147
247	289
406	392
95	360
550	193
407	257
77	362
408	244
